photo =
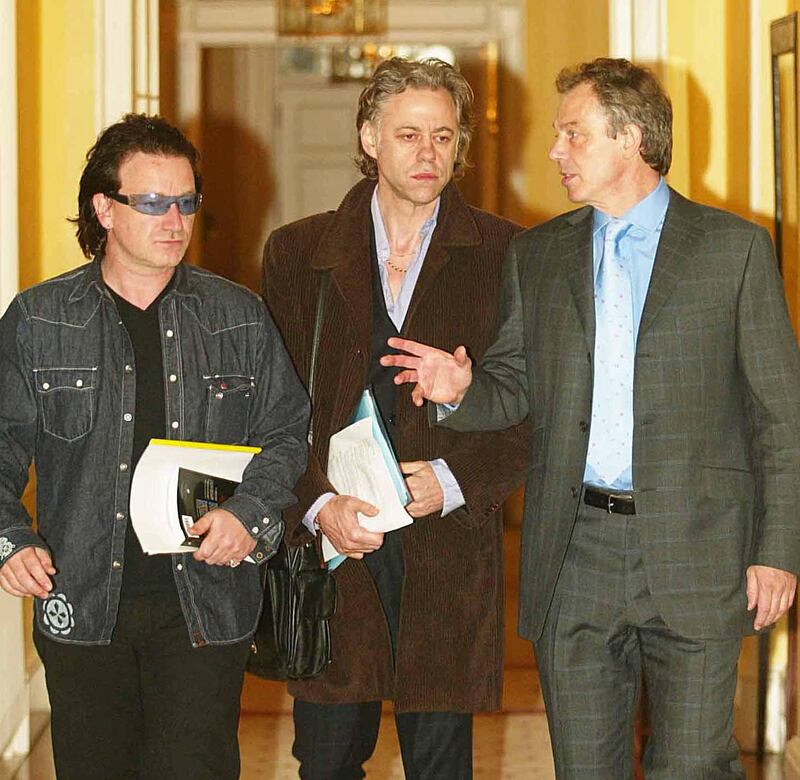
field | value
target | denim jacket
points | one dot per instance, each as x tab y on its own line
69	381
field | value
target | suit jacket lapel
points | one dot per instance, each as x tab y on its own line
676	248
576	251
455	227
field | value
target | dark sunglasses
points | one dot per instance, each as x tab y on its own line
157	205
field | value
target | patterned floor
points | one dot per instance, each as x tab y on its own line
512	745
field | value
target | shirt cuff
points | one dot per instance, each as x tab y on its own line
443	411
315	509
453	497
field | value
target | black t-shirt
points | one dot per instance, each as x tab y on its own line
143	574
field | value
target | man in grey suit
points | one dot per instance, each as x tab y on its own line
647	338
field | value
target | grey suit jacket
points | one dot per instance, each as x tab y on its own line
716	443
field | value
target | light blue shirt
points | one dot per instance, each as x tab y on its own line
639	245
397	308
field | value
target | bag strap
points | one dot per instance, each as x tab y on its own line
323	289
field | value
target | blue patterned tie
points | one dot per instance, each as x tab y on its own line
611	433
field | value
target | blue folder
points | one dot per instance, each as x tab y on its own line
368	409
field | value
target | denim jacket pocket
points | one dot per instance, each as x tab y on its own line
66	400
228	413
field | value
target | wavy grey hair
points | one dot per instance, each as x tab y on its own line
396	75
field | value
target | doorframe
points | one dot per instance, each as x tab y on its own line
203	23
127	59
14	706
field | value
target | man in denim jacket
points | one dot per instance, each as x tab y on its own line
144	655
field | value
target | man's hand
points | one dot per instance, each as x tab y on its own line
225	539
440	377
338	520
772	591
424	488
27	573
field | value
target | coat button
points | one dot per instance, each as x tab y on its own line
584	426
128	369
116	565
120	516
573	491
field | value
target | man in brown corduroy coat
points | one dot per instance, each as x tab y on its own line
419	617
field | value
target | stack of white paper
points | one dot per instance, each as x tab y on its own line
357	467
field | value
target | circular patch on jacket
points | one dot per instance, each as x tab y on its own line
6	547
58	615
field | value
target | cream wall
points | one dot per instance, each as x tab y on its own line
714	73
717	71
555	39
55	120
57	103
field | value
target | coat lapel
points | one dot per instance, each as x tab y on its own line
455	227
576	251
676	248
344	252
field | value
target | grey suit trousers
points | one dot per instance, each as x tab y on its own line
601	633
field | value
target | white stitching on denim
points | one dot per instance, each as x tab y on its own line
58	614
6	547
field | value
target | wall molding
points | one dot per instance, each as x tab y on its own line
791	765
9	205
127	59
638	30
203	23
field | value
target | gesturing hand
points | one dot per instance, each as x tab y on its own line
226	540
771	591
439	376
338	520
27	573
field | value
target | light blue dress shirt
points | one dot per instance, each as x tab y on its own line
639	244
397	308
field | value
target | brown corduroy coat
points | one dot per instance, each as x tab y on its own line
450	646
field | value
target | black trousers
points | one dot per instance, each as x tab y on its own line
602	633
149	705
333	741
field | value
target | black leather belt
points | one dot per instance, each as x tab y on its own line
619	503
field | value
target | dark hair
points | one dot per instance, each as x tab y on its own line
630	94
396	75
133	133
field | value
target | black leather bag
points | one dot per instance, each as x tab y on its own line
293	638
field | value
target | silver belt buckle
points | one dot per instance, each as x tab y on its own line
611	498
